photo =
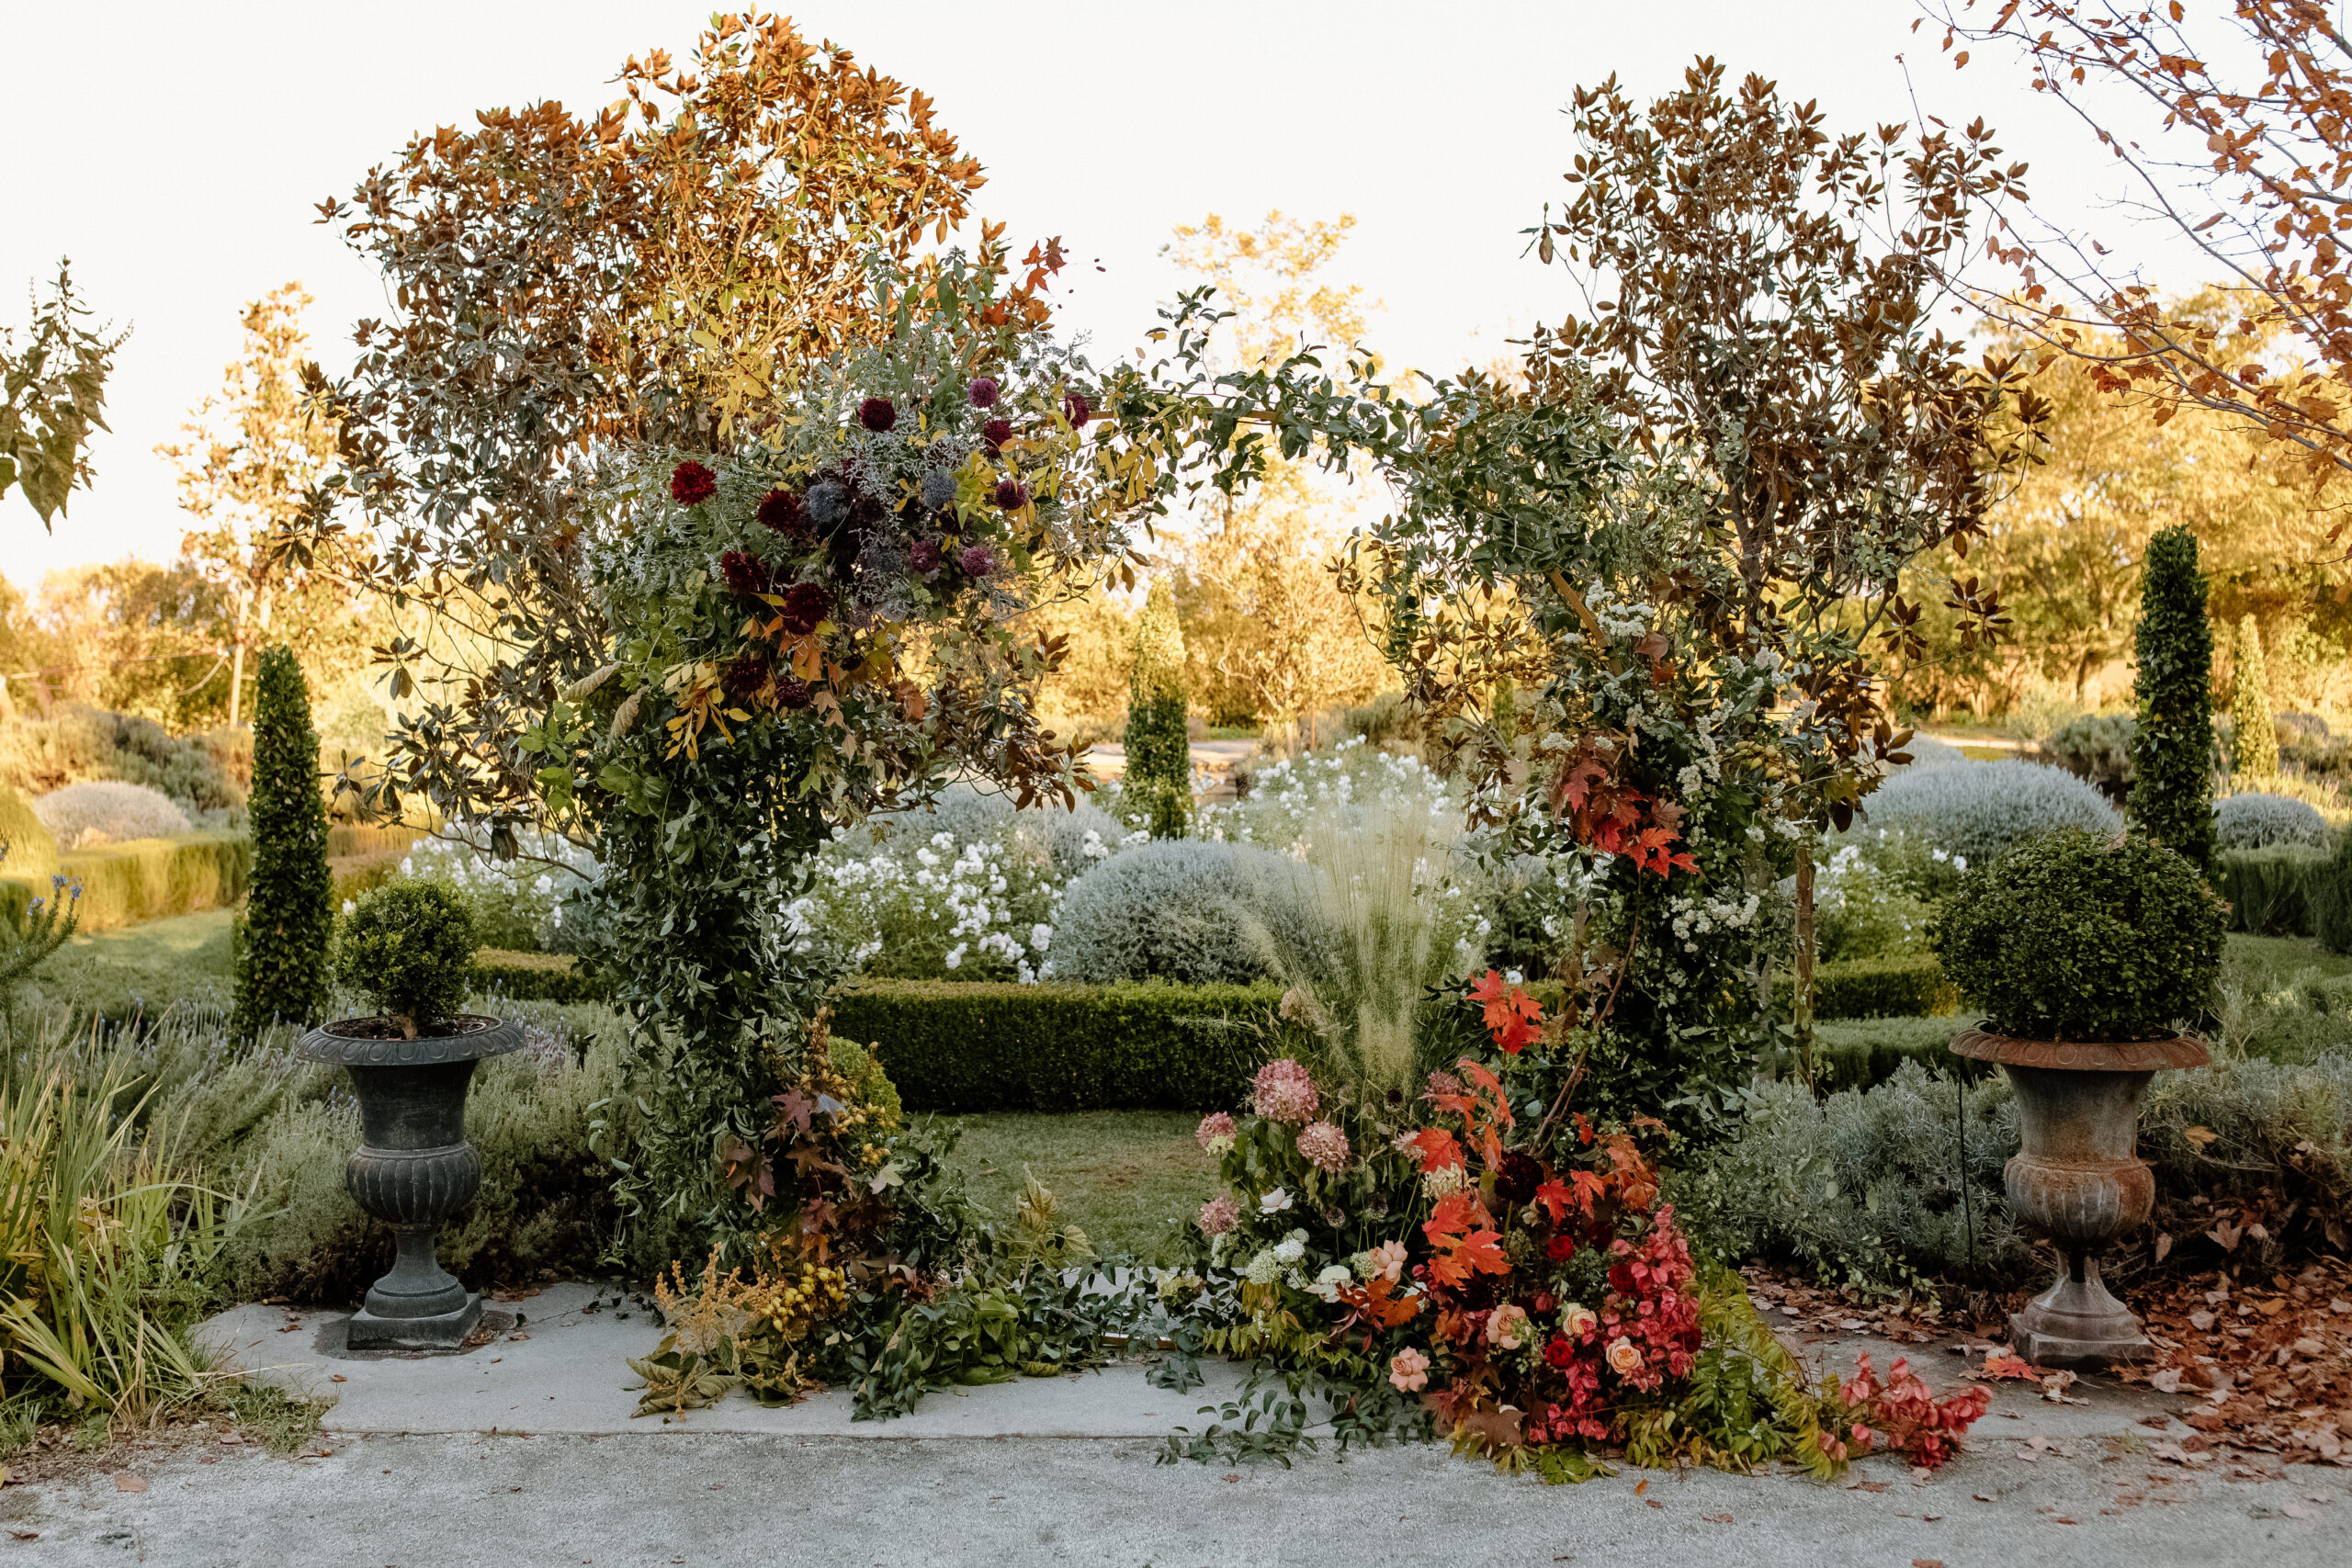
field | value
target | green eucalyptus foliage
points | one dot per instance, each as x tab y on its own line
408	947
2078	937
1159	779
290	916
2172	742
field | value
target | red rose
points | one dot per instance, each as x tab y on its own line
1558	1353
1561	1247
691	484
1620	1279
877	414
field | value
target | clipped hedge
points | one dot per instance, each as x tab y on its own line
346	840
2271	891
1909	987
957	1046
535	977
147	879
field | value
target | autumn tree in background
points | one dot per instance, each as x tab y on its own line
566	286
254	451
52	395
2230	123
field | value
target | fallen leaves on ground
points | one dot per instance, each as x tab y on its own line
124	1481
2272	1356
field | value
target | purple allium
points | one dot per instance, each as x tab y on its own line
984	392
692	484
924	555
996	432
877	414
1011	495
1284	1091
977	560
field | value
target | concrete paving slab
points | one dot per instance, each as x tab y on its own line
564	1369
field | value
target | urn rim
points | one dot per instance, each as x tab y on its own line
476	1036
2180	1051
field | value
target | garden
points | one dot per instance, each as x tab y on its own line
812	831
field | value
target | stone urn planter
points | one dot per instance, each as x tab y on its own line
2077	1179
413	1168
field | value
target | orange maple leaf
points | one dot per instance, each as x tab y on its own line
1467	1241
1435	1147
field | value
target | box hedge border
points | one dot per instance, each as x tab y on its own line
145	879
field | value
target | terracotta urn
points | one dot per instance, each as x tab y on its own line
2078	1180
413	1168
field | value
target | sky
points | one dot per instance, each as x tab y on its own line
177	153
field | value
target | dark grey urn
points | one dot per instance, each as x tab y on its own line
413	1168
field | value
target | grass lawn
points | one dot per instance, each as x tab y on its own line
1128	1179
140	968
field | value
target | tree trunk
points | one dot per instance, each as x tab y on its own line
1801	1018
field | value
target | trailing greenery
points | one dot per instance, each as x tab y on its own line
2078	937
2172	742
1007	1048
290	919
1157	784
408	947
2254	738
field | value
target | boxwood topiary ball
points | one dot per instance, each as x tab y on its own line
408	947
2079	936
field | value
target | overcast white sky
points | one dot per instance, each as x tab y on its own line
176	153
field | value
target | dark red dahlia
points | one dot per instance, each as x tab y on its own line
791	693
925	555
996	432
1077	408
1518	1177
1011	495
877	414
1561	1247
783	511
804	606
691	484
744	572
984	392
741	677
977	560
1558	1353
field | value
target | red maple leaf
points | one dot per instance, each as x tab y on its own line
1555	1199
1465	1240
1435	1147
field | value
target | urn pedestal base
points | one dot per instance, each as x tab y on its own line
2076	1322
446	1331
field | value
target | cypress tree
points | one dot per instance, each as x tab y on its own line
1159	748
289	911
2254	746
2172	746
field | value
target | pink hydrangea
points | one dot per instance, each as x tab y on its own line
1215	1133
1283	1092
1323	1146
1219	1214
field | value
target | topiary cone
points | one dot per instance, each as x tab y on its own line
289	915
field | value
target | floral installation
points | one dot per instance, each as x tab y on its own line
1495	1268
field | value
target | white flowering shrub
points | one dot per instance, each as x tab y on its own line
1863	910
1983	810
1348	779
2254	821
107	811
524	904
966	889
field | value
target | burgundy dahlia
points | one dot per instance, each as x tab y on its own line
984	392
1518	1177
744	572
741	677
977	560
1011	495
1077	408
996	432
805	606
691	484
877	414
791	693
782	511
925	555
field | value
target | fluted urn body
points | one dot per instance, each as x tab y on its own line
2078	1180
413	1168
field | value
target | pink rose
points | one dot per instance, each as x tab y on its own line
1409	1370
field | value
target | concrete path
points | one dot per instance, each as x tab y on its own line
1062	1472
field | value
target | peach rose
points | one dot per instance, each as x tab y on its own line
1624	1356
1409	1372
1575	1322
